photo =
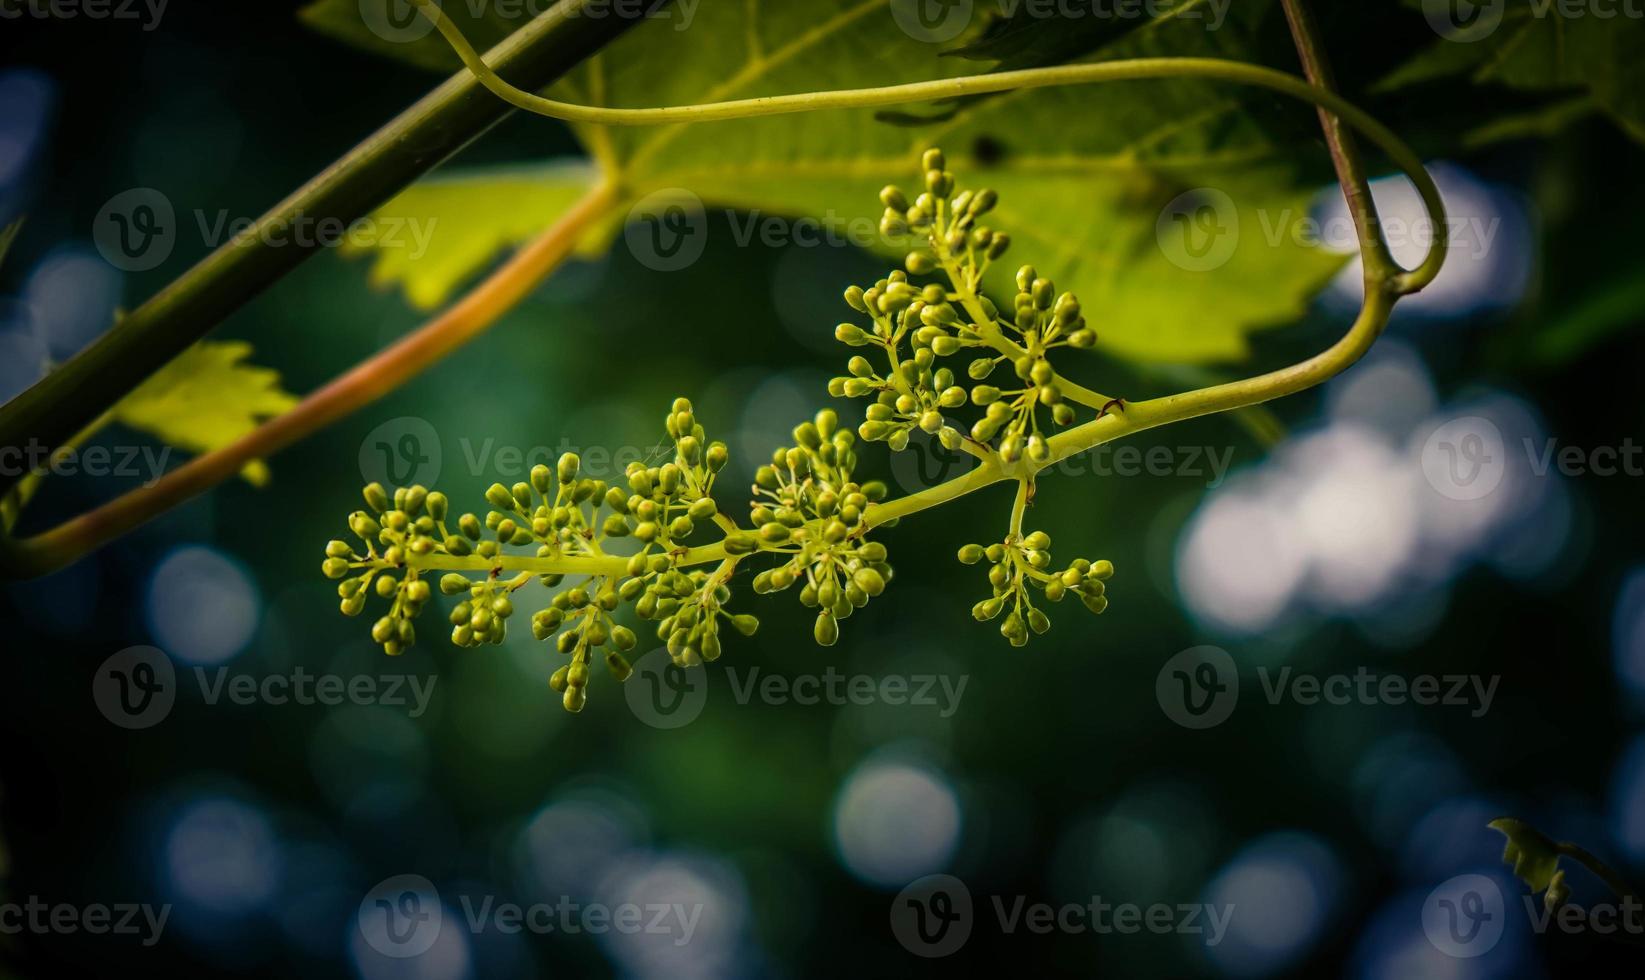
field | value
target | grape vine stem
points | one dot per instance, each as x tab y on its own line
1385	283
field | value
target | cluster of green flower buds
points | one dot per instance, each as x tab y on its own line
1044	321
942	217
579	621
411	522
688	607
1016	564
935	321
808	507
563	513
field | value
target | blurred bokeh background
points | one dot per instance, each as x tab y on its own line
1052	775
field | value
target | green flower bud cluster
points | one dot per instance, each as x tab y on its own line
558	510
483	616
937	322
688	607
564	514
808	506
661	508
1016	564
664	505
1044	320
579	621
411	522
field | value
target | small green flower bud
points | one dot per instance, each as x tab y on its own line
826	630
745	624
334	567
921	262
971	554
851	334
499	497
376	497
893	197
568	466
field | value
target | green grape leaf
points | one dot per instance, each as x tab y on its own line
456	225
396	29
205	399
1536	48
1533	856
1086	174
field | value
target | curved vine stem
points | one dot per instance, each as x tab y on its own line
363	384
428	132
1385	283
1335	110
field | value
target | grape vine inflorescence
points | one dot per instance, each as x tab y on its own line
597	547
